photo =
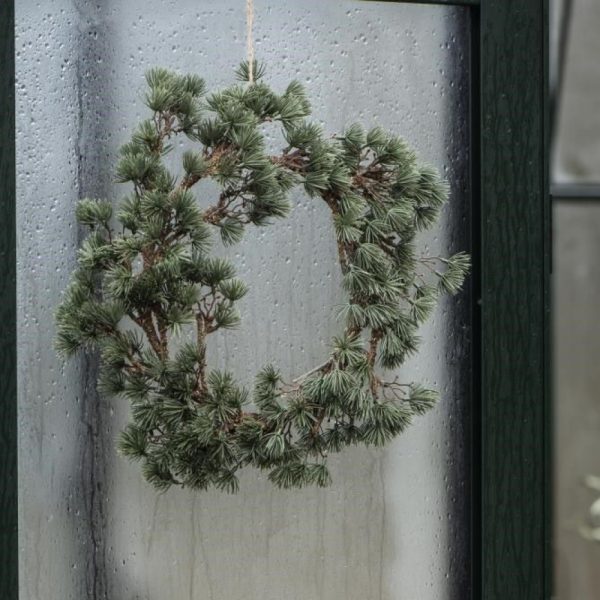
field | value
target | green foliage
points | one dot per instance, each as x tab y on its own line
135	291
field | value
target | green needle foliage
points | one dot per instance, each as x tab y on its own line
135	291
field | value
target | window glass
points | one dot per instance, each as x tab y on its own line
395	524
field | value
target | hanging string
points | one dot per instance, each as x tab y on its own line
249	41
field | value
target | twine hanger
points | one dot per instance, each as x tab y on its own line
249	40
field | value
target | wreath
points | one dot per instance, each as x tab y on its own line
150	294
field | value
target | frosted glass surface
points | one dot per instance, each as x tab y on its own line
395	524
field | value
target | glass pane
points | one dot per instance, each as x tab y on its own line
576	159
395	523
577	402
577	145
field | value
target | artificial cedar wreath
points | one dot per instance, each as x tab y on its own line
196	427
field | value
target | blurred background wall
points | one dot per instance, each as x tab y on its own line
575	173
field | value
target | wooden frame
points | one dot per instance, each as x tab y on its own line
511	247
512	431
9	546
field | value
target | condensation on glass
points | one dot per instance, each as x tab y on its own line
395	524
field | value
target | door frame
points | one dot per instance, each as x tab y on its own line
511	412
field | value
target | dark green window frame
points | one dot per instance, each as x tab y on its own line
573	191
511	524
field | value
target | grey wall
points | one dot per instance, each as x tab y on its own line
395	524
